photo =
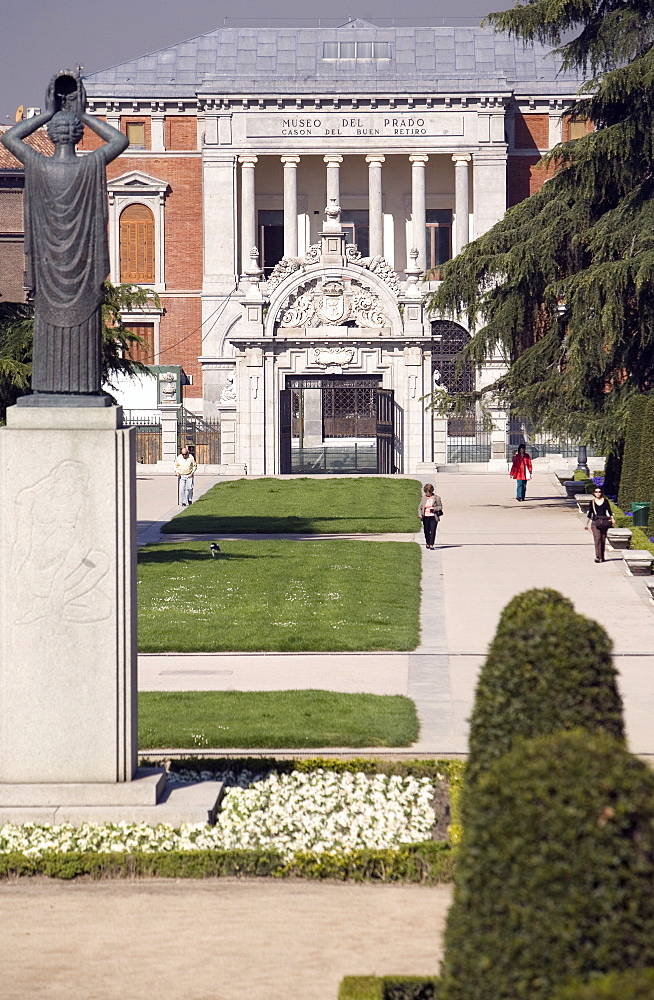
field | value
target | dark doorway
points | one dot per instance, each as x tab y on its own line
271	239
337	425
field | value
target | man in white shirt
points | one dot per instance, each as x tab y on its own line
185	466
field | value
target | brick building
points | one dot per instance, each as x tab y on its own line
285	193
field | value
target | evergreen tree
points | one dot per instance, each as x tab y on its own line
17	331
562	286
15	352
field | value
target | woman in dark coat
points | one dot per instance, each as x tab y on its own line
600	519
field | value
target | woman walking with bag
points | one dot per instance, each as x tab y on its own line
600	520
430	512
521	470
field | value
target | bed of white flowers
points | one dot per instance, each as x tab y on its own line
321	811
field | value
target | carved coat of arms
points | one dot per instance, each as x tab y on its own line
334	308
332	304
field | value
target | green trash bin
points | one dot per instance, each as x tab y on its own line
641	514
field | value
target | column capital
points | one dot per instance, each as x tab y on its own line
375	158
248	160
290	161
460	158
332	158
419	159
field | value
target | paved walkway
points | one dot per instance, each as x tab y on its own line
213	939
490	548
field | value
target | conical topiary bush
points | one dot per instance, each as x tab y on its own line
547	668
555	877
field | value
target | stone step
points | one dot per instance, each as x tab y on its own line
638	561
619	538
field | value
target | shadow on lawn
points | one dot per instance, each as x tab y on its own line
208	524
178	555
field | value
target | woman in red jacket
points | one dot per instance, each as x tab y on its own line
521	471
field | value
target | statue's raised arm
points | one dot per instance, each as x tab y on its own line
67	257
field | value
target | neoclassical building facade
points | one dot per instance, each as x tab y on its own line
290	194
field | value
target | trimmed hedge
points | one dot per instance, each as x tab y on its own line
449	769
547	668
639	540
388	988
645	485
637	984
555	874
429	863
631	459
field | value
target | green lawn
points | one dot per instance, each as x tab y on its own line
365	505
272	719
279	595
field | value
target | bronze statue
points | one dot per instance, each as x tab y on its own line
66	245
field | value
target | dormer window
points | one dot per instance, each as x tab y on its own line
356	50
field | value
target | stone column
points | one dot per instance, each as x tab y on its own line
489	188
418	209
168	415
158	132
333	161
248	209
376	222
461	209
219	224
290	205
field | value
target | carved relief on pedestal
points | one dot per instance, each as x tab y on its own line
61	576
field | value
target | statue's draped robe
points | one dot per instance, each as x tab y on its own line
67	263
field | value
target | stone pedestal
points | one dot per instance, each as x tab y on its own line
67	596
68	691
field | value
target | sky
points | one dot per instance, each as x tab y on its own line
40	37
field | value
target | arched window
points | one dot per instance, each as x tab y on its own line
448	340
137	245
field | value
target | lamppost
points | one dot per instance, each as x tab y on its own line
582	459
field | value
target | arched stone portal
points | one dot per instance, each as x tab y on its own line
331	367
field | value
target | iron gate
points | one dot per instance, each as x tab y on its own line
337	425
148	435
468	440
538	445
200	435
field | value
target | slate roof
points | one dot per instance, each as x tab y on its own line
261	61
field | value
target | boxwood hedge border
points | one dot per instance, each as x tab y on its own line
429	862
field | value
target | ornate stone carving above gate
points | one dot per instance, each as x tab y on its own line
333	302
289	265
332	356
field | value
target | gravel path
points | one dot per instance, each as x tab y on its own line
211	940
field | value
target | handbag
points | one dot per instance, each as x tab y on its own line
600	521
